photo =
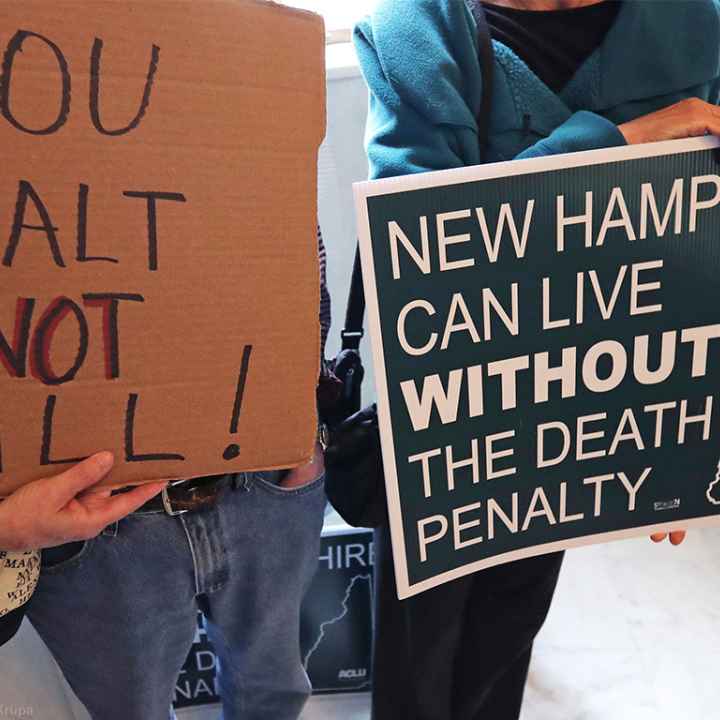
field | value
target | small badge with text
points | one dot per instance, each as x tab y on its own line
667	504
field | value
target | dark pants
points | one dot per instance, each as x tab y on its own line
460	651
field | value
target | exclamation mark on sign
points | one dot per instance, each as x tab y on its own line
233	450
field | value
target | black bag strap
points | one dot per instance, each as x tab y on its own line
487	66
353	331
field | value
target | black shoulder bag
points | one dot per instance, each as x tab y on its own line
354	478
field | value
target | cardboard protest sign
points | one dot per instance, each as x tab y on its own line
159	280
546	337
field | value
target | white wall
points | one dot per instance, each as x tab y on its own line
343	162
28	676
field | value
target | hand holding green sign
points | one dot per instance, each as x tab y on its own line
689	118
546	340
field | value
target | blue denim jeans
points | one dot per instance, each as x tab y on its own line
119	612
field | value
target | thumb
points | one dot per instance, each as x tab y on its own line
66	486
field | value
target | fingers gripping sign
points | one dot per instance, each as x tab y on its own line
67	507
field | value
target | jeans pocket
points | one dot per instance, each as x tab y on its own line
260	480
58	558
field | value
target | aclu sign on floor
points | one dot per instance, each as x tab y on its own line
335	625
546	335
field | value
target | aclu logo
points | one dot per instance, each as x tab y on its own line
356	674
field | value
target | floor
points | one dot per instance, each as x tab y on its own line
347	707
634	634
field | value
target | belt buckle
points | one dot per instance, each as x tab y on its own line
167	502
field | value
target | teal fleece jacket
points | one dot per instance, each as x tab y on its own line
420	61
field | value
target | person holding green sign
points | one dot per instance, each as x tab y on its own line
565	76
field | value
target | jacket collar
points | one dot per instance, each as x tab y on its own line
654	48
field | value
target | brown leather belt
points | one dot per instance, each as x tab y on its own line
183	496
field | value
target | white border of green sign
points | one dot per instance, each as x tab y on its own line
366	190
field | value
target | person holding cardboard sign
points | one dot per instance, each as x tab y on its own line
47	512
455	84
241	547
156	302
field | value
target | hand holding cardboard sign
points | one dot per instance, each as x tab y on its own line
60	509
688	118
305	474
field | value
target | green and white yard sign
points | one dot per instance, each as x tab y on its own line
546	339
